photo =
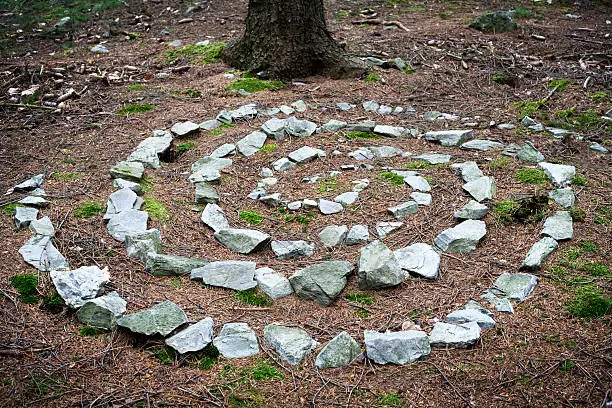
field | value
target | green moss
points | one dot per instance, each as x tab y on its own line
65	176
361	298
251	217
362	135
601	96
263	370
165	355
589	302
193	93
389	400
133	109
53	300
504	210
531	176
601	220
218	131
199	54
521	12
529	108
372	78
268	148
183	147
392	178
418	164
210	355
252	85
567	365
596	269
137	87
9	209
579	181
88	209
26	284
327	185
577	214
156	209
253	297
409	70
588	246
176	283
502	78
560	84
88	331
305	218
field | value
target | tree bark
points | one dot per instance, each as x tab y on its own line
287	39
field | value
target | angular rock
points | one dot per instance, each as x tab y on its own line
42	226
461	238
146	155
417	183
470	315
559	226
161	141
292	249
193	338
334	125
421	198
472	304
99	49
559	174
396	347
283	164
224	150
127	222
206	164
305	154
390	131
343	106
481	145
102	312
251	143
299	128
245	112
434	158
275	128
121	184
454	335
214	217
272	283
515	286
341	351
132	171
539	252
161	319
528	153
243	241
292	345
333	235
598	148
501	304
24	216
377	267
183	129
210	124
370	106
33	201
40	252
385	151
77	286
482	188
401	211
139	244
236	340
419	259
347	198
385	228
329	207
31	183
172	265
367	126
449	137
564	197
321	282
294	205
362	153
119	201
473	210
205	193
358	234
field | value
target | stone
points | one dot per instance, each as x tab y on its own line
243	113
515	286
482	188
481	145
527	121
291	345
299	128
385	110
559	226
287	110
183	129
40	252
469	171
243	241
161	319
321	282
454	335
511	150
506	126
557	133
205	193
358	234
139	244
294	205
102	312
539	252
329	207
251	143
99	49
42	226
305	154
377	267
596	147
564	197
132	171
333	235
362	153
434	158
421	198
502	304
79	285
390	131
299	106
212	124
236	340
213	217
396	347
496	22
370	106
384	228
172	265
341	351
273	200
401	211
472	304
367	126
194	338
309	204
272	283
385	151
237	275
417	183
292	249
224	150
461	238
470	315
161	141
283	164
31	183
418	259
34	201
343	106
275	128
528	153
121	184
119	201
347	198
147	156
559	174
127	222
360	185
449	137
473	210
207	164
334	125
224	117
404	173
24	216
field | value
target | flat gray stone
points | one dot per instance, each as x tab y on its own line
24	216
417	183
161	319
40	252
377	267
461	238
236	340
102	312
559	226
34	201
515	286
390	131
161	141
334	125
564	197
473	210
501	304
472	304
384	228
481	145
483	188
132	171
333	235
557	133
283	164
396	347
224	117
205	193
367	126
206	164
598	148
347	198
421	198
119	201
172	265
362	153
299	106
193	338
42	226
275	128
243	241
449	137
99	49
127	222
341	351
329	207
454	335
183	129
146	155
77	286
434	158
243	113
370	106
539	252
385	152
471	315
419	259
358	234
305	154
251	143
31	183
403	210
321	282
210	124
213	217
292	249
272	283
291	345
121	184
469	171
139	244
528	153
511	150
559	174
224	150
299	128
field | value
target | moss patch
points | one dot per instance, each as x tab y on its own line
156	209
183	147
362	135
253	297
392	178
88	209
251	217
252	85
199	54
589	302
531	176
26	284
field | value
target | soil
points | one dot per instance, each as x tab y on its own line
540	356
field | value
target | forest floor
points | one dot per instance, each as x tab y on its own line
540	356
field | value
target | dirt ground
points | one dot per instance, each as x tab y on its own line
540	356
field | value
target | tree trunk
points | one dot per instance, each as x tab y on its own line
288	39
